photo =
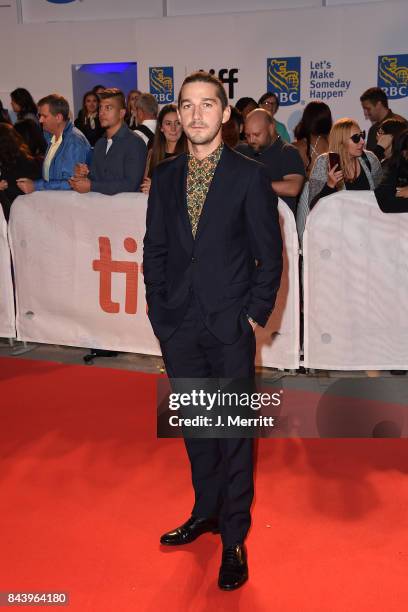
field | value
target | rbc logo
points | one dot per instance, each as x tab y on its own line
162	84
283	79
393	75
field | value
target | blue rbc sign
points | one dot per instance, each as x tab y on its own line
283	79
162	84
393	75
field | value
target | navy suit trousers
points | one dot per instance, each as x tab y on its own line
222	469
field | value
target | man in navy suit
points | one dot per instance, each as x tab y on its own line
212	268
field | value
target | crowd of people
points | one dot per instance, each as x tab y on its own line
45	149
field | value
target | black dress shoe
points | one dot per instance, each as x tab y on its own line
189	531
234	568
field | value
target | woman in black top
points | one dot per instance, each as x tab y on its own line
392	193
88	118
386	134
33	137
15	162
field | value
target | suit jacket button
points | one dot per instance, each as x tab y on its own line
193	260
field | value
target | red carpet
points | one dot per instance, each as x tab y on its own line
86	489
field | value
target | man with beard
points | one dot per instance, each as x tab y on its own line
283	162
119	157
212	268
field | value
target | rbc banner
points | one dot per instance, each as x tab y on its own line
161	82
283	79
393	75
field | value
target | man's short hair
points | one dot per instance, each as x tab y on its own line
148	104
57	104
205	77
374	95
113	92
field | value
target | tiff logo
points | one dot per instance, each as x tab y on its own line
106	266
227	76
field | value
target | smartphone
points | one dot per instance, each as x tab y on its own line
334	158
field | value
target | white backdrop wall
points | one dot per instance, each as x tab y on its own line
39	56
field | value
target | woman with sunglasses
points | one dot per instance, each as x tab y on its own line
358	169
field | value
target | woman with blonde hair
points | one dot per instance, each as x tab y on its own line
351	167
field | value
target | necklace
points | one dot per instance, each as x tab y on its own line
313	147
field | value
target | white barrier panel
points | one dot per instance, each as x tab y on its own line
278	342
78	270
7	316
355	285
79	280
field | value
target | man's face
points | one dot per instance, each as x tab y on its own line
110	113
372	112
259	133
201	113
51	123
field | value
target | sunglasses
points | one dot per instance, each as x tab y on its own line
357	137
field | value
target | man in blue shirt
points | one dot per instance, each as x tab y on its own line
67	146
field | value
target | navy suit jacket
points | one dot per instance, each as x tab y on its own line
233	265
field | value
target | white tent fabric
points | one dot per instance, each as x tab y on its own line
278	342
67	293
355	285
7	315
62	291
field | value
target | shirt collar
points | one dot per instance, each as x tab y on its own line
56	140
211	159
120	133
